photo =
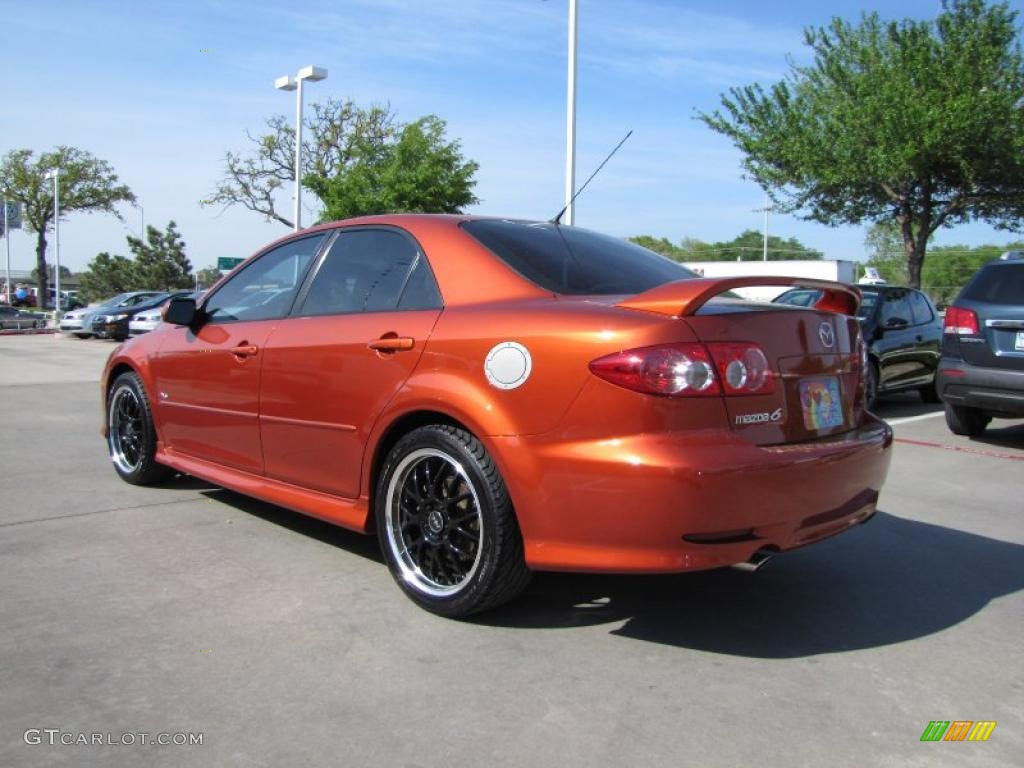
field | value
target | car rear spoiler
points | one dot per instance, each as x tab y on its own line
685	297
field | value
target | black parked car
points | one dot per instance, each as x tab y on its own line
981	375
903	333
113	324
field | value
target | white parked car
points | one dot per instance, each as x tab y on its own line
148	319
144	322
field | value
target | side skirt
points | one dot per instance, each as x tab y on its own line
353	514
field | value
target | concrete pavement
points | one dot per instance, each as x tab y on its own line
283	640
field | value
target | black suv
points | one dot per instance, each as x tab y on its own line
981	374
903	333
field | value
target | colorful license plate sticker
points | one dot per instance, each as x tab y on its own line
1020	341
820	403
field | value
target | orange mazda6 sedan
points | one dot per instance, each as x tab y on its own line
494	397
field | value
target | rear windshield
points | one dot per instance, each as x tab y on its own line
1001	284
575	261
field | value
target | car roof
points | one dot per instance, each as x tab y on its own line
466	271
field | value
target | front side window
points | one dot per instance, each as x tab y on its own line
265	288
371	270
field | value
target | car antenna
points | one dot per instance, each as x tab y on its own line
596	170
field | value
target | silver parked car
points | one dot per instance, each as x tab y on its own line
79	322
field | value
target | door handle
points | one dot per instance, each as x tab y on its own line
389	343
245	350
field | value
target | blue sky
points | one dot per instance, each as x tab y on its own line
130	82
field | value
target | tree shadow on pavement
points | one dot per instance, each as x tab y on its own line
886	582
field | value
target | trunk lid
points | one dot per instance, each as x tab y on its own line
814	353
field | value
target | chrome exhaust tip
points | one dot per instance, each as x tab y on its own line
755	563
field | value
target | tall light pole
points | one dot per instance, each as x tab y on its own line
570	121
766	210
766	205
54	174
7	238
289	83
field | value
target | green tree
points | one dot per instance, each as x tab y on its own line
950	267
86	184
660	245
207	276
160	263
106	276
917	122
335	136
419	171
884	245
747	246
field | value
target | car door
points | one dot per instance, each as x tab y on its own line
208	377
357	332
897	348
927	336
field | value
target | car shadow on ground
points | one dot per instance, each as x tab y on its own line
1011	436
333	535
889	581
900	405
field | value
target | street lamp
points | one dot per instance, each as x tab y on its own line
289	83
54	173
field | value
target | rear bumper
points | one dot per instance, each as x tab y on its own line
996	390
669	502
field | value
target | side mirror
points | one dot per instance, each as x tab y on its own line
896	322
181	311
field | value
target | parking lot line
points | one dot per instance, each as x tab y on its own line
960	448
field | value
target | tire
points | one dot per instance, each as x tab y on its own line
131	436
446	524
871	386
962	420
930	394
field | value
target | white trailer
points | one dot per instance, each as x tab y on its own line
819	269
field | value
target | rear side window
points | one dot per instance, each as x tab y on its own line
920	308
574	261
371	270
1001	284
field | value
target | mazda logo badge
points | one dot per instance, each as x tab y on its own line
827	335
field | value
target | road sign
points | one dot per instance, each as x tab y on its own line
13	216
227	263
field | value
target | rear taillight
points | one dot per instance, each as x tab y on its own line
960	321
742	368
689	369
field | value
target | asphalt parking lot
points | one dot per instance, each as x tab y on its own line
283	641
